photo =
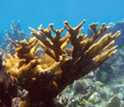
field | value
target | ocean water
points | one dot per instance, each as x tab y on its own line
104	86
35	12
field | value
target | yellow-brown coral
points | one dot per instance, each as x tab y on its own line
45	78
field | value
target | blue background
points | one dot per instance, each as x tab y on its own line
35	12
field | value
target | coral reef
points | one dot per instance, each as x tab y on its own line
111	69
117	26
113	28
44	79
7	90
110	89
116	102
1	54
93	94
15	33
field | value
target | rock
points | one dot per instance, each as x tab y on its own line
94	98
115	102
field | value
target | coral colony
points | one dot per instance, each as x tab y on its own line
38	81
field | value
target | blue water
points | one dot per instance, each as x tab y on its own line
35	12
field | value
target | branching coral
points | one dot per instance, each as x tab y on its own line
15	33
45	78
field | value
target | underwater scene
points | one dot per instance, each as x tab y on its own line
62	53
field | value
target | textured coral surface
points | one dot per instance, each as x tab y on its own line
43	79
